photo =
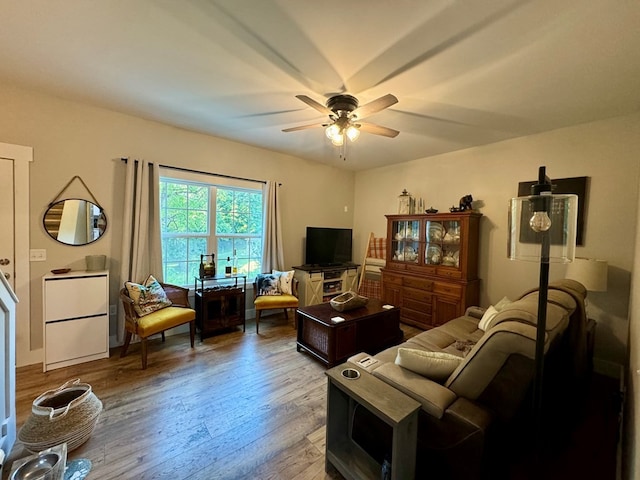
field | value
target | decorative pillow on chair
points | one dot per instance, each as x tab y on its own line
285	280
437	366
148	297
267	284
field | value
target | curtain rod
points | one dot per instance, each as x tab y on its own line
182	169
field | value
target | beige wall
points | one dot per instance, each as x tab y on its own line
631	438
605	151
74	139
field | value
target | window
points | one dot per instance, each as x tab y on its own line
199	219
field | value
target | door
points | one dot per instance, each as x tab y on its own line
14	240
7	261
14	263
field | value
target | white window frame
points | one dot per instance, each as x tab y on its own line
213	183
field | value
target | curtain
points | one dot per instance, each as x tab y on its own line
272	253
141	243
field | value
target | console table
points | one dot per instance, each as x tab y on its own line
319	284
366	329
390	405
220	305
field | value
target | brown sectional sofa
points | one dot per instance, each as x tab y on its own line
474	413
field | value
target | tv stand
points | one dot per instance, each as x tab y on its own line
318	284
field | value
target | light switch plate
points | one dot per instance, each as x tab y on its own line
37	255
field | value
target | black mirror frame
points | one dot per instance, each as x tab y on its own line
100	222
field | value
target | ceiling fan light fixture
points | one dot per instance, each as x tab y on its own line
332	131
337	140
353	132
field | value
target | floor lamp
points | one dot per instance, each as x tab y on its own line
542	228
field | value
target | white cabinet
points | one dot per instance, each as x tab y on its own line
76	318
321	284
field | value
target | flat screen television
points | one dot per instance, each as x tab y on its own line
328	246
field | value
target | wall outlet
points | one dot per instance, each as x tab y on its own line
37	255
113	309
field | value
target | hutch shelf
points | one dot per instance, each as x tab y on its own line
432	266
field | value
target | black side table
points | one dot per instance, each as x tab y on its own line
220	303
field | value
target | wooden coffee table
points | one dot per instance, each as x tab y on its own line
367	329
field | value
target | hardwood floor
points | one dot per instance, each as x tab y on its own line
239	405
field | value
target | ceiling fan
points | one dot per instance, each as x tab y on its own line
345	115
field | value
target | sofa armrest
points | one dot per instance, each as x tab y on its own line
475	312
433	397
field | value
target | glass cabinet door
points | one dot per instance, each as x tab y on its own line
406	241
442	243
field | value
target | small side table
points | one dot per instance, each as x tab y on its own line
396	409
221	305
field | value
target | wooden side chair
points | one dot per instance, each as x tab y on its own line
158	321
272	302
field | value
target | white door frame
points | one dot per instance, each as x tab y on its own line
22	157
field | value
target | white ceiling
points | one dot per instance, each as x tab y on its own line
466	73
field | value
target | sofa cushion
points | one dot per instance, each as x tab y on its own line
147	297
557	297
525	310
437	366
433	397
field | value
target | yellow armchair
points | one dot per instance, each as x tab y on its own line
272	302
175	315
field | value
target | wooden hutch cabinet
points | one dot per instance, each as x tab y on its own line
432	266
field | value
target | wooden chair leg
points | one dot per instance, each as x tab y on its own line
286	314
162	333
143	341
125	347
257	321
192	331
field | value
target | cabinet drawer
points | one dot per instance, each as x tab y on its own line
75	297
447	289
416	305
421	283
415	294
450	273
71	339
391	279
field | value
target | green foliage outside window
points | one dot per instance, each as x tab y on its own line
187	232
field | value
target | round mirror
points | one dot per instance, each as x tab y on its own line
75	222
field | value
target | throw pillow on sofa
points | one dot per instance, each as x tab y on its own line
148	296
491	312
437	366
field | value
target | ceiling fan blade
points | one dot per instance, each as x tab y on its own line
312	103
303	127
378	130
375	106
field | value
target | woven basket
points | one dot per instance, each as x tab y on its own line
348	301
66	414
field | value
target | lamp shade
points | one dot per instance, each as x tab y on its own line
525	234
589	272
